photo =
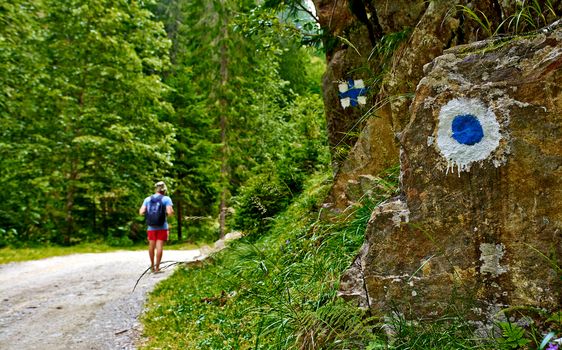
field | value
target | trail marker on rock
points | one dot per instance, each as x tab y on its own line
468	132
352	93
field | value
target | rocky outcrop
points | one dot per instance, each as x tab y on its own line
479	221
350	38
370	131
354	29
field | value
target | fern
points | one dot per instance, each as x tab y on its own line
513	336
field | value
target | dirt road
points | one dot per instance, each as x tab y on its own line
82	301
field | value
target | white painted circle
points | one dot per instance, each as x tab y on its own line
463	155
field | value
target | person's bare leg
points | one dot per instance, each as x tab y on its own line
151	246
159	251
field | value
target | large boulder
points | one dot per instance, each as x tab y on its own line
479	221
434	27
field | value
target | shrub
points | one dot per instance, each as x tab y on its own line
202	230
123	241
264	196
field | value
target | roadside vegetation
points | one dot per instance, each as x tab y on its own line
277	289
271	289
26	253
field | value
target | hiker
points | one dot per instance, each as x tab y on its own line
156	208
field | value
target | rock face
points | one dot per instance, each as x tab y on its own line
355	28
369	130
350	38
477	134
479	220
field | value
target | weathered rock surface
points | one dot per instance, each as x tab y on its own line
351	37
375	150
479	219
395	15
433	34
370	130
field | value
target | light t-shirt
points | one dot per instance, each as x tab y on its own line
167	201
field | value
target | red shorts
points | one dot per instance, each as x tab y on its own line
157	235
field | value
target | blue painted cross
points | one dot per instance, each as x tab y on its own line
352	93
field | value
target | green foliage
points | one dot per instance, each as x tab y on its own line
448	333
480	18
238	68
527	15
123	241
262	197
294	148
526	327
297	16
86	121
530	15
513	336
274	291
8	237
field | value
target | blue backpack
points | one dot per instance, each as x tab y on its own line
156	211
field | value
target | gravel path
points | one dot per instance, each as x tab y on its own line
82	301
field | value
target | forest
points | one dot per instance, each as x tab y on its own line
101	99
393	168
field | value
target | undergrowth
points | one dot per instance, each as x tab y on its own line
277	292
280	291
528	15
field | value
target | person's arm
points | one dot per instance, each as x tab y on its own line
142	209
169	206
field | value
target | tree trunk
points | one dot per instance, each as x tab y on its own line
104	216
69	203
179	215
94	213
223	126
224	177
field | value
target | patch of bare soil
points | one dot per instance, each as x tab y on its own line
82	301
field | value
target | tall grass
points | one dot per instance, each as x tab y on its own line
278	292
528	15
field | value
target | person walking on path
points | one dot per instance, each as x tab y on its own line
156	208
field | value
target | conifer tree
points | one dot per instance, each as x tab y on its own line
97	126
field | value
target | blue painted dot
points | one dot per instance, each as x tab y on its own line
467	129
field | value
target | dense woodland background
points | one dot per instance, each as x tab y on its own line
100	99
